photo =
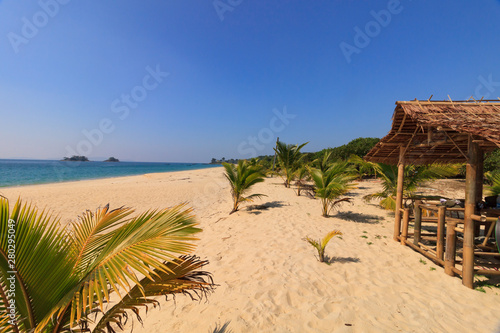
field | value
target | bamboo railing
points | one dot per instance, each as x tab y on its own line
441	246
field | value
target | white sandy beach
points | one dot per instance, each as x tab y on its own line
269	279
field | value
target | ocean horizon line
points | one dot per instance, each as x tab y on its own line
23	172
90	160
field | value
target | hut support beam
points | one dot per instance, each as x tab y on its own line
399	193
440	232
418	222
470	205
479	185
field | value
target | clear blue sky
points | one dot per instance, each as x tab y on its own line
67	67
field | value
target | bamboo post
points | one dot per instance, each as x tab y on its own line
451	247
479	175
406	222
417	211
479	186
470	205
399	193
440	232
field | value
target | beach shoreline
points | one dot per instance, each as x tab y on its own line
52	171
268	278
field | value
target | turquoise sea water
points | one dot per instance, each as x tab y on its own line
25	172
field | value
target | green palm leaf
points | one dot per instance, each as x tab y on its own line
289	158
42	260
494	178
63	275
182	275
241	178
413	177
320	245
332	183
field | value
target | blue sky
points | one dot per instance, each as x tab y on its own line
185	81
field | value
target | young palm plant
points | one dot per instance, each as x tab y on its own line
362	167
63	275
494	179
413	177
301	177
289	157
323	163
331	184
320	245
241	178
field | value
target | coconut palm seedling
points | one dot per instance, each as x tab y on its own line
64	277
320	245
363	168
323	163
494	179
301	177
413	177
331	184
289	158
241	178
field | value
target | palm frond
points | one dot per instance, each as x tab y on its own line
494	179
90	234
329	236
141	245
241	178
332	183
320	245
42	260
413	177
289	158
180	276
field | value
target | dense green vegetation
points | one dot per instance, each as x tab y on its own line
331	171
359	147
492	161
414	176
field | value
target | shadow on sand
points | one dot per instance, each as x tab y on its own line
255	209
340	260
358	217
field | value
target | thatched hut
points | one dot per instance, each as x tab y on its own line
426	132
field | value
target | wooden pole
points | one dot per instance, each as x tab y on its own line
440	232
479	186
470	205
399	193
479	175
274	158
417	211
406	222
451	248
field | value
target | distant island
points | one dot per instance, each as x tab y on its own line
112	159
223	160
75	158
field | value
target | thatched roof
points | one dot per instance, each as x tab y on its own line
438	131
